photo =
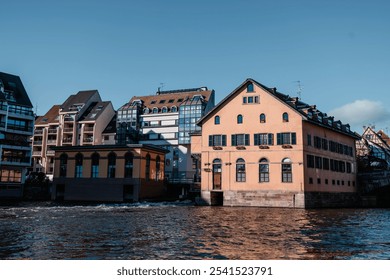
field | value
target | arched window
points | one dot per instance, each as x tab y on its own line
95	165
262	118
129	165
263	170
286	170
79	166
63	165
173	109
164	110
158	169
240	170
147	167
155	110
285	117
217	174
240	119
217	120
111	165
146	111
249	87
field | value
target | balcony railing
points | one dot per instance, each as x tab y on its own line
51	142
67	140
88	128
19	128
38	131
37	143
37	153
53	130
88	140
68	129
50	152
16	159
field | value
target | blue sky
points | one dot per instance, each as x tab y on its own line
338	50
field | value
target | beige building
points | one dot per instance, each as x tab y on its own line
113	173
80	120
259	147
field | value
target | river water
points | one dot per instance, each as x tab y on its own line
161	231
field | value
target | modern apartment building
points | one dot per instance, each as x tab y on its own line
260	147
166	119
16	129
79	121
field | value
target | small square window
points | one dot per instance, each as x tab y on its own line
250	99
244	100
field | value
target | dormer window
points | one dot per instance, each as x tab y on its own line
164	110
174	109
249	87
330	122
319	118
155	110
146	111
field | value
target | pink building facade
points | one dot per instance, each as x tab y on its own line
259	147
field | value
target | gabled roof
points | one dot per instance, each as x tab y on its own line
81	97
95	110
169	98
13	87
305	110
50	117
111	127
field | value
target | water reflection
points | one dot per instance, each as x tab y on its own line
172	231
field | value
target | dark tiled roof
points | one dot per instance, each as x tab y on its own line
305	110
169	98
14	86
111	127
80	98
95	110
50	117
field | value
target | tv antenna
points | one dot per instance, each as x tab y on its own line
299	91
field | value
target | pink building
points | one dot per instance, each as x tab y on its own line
259	147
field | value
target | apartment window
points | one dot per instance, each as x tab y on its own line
240	119
318	161
240	170
111	165
285	117
147	167
263	170
310	180
310	161
286	138
325	144
95	165
158	168
263	139
349	167
217	140
249	88
286	170
79	166
240	140
319	181
250	99
63	165
129	165
217	120
262	118
245	100
325	163
326	181
309	139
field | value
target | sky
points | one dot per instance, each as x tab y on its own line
334	53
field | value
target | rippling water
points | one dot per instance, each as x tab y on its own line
183	231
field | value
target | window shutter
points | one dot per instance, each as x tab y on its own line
294	138
247	140
270	139
210	140
223	140
279	138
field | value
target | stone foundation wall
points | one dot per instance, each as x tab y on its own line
331	200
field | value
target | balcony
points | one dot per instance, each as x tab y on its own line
88	140
68	140
88	128
37	143
50	153
52	142
68	130
37	153
38	131
52	131
16	161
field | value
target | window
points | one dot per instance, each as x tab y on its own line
250	99
155	110
262	118
240	140
310	161
286	138
240	119
147	167
285	117
129	165
174	109
171	100
263	139
325	163
349	167
217	140
217	120
111	165
158	169
309	140
286	170
244	100
95	165
79	166
249	88
63	165
164	110
318	162
162	101
240	170
146	111
263	170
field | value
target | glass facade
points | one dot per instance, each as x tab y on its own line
189	113
128	123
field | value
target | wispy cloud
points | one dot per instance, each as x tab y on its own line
362	112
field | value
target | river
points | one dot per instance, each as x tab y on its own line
46	230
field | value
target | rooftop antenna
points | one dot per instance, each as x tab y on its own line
36	109
160	87
299	91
